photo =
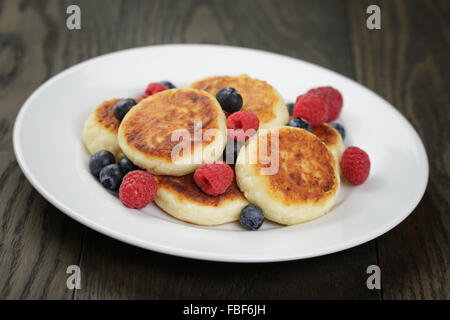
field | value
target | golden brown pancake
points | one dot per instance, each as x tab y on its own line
100	129
327	134
104	114
181	198
258	97
187	190
332	139
145	134
305	185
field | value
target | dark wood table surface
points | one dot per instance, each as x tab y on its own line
406	62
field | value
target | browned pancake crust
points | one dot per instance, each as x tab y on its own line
149	128
104	114
327	134
306	168
257	95
187	190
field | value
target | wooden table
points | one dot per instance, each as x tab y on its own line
406	62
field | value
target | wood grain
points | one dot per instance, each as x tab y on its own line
113	270
37	242
407	63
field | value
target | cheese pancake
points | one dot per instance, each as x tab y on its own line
302	185
174	131
100	129
258	97
332	139
181	198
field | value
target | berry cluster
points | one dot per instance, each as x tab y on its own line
214	179
318	105
241	125
123	106
136	187
332	98
324	104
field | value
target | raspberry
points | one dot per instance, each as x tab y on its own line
214	178
138	189
153	88
333	100
242	125
311	108
355	165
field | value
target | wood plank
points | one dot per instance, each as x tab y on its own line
114	270
406	62
37	242
315	31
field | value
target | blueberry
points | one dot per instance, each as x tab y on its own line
230	100
290	107
126	165
339	127
300	123
252	217
100	160
168	84
122	107
231	151
111	177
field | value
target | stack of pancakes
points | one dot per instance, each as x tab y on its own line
304	187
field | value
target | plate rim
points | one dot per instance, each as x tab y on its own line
200	255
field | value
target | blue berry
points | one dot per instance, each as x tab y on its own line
126	165
339	127
252	217
99	160
111	177
231	151
290	107
229	99
300	123
168	84
122	107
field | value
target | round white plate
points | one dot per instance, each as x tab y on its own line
48	147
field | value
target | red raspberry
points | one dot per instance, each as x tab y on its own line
214	178
153	88
355	165
242	125
311	108
138	189
333	100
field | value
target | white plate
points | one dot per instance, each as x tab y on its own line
47	142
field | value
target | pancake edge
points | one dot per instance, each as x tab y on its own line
96	138
247	179
162	166
279	109
205	215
